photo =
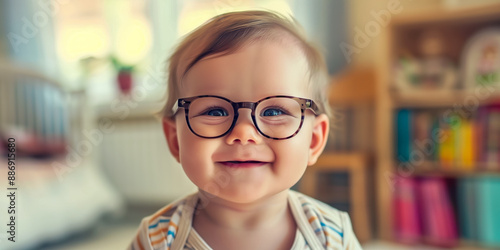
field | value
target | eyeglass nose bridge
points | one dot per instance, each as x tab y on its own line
251	106
241	105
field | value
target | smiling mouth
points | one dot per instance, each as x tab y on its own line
243	164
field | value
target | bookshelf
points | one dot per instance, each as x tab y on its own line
456	27
342	176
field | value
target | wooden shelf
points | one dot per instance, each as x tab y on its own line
441	99
449	15
462	245
438	170
340	160
356	164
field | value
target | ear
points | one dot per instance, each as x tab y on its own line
319	138
170	130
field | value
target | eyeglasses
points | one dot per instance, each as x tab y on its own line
275	117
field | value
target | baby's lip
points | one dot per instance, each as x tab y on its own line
243	163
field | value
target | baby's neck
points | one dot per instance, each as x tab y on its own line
260	214
267	224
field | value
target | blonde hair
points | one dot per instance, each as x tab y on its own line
228	32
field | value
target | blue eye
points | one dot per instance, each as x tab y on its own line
217	112
272	112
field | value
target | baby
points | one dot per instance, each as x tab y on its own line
246	114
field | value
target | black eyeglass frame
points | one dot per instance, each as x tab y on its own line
304	104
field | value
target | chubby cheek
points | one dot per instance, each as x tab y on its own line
195	154
292	158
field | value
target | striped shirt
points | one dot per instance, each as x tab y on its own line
319	226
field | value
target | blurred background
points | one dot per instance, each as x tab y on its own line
414	156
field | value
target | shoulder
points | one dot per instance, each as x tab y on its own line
328	213
331	225
167	213
160	228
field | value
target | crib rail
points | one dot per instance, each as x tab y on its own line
38	111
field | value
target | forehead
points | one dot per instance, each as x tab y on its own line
192	54
261	67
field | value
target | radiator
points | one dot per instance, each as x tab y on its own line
136	158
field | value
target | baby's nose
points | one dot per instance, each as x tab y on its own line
244	131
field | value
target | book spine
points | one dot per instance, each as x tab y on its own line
403	136
407	227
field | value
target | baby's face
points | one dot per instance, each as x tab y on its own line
244	166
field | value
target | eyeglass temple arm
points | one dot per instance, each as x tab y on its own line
312	106
175	107
177	104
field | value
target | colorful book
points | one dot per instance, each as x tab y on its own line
406	215
456	127
446	145
493	139
438	215
435	136
403	135
481	134
488	205
466	145
422	131
467	208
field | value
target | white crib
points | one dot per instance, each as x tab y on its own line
60	190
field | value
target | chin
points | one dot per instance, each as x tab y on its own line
250	197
